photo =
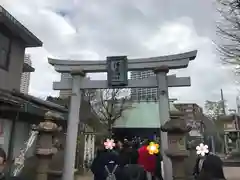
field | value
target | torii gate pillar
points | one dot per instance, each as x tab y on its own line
163	100
72	125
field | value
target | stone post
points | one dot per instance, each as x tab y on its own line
176	129
72	126
44	147
163	105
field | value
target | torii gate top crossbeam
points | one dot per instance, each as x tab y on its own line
176	61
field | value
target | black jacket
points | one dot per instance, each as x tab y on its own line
212	168
106	158
134	172
158	172
196	171
128	156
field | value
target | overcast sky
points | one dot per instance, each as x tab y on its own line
94	29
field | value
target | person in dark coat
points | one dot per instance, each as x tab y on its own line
132	170
212	168
158	170
134	153
124	154
106	158
119	146
128	154
198	166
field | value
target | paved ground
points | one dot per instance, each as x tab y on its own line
88	178
231	173
85	177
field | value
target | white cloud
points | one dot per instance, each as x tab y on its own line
208	76
91	30
59	23
181	37
44	75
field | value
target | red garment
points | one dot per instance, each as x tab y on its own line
148	161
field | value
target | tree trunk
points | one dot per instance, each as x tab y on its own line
109	129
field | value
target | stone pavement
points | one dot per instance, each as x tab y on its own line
232	173
88	177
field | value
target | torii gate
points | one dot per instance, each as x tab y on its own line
160	65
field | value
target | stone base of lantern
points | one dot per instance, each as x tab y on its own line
181	154
177	158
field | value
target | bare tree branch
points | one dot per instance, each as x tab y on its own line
214	109
228	31
109	104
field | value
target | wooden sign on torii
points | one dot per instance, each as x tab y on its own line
160	65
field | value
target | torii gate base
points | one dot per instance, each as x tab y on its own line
76	68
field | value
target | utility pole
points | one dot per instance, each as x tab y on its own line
223	103
238	105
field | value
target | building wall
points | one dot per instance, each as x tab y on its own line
5	135
143	93
229	123
11	79
193	114
25	77
191	111
21	135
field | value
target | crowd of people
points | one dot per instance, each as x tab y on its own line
130	160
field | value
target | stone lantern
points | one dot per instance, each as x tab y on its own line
230	124
176	128
45	147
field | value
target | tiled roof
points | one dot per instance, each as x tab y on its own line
27	102
33	105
